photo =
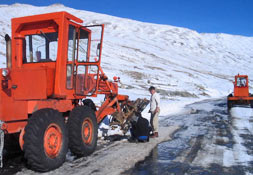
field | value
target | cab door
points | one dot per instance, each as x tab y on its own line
84	67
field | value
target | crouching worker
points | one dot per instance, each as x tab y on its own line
139	129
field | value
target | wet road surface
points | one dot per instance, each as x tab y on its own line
205	144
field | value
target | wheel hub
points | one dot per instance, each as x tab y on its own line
52	140
87	131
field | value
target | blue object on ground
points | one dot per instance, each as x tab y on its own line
143	138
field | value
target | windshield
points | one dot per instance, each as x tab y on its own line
241	82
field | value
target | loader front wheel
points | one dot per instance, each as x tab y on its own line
83	128
45	140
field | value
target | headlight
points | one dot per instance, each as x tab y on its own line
5	72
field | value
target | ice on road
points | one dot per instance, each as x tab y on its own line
210	140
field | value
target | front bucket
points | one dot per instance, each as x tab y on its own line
128	113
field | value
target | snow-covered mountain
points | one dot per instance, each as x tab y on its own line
178	61
185	66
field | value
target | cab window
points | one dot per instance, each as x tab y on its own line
40	47
83	46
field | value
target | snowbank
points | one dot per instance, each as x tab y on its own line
242	126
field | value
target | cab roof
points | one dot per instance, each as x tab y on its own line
45	17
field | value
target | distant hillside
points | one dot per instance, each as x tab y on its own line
179	61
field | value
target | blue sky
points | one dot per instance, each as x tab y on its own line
208	16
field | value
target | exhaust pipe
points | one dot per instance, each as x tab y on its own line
8	50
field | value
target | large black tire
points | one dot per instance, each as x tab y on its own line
251	103
230	95
229	104
89	103
45	140
83	130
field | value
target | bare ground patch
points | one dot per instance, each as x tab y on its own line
155	68
176	93
135	75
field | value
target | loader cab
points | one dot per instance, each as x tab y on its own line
241	88
54	56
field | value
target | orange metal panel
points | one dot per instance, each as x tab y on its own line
38	27
28	84
60	105
110	106
14	127
50	65
50	76
241	91
240	98
10	109
60	77
44	17
50	73
105	112
123	97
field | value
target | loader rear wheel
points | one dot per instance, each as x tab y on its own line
89	103
229	105
251	103
83	128
45	140
229	102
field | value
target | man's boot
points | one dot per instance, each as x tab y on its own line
155	135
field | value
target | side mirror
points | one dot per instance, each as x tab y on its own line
98	48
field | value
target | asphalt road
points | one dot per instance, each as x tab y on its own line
211	141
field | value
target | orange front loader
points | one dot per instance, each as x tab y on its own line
241	95
53	64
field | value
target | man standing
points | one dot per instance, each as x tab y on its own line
154	110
